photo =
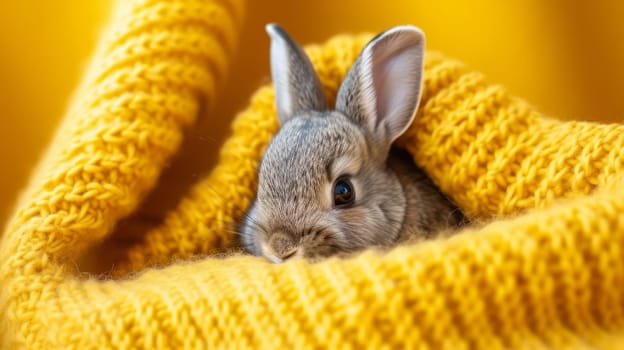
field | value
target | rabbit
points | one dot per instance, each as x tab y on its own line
330	182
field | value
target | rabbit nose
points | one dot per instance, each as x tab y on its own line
283	246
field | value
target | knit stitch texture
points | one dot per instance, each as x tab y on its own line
542	268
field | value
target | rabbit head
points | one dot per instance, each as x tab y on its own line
324	187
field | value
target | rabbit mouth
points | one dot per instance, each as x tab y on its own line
279	248
280	258
314	243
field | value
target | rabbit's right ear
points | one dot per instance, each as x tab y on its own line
381	91
297	86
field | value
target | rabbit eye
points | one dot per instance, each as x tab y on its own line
344	194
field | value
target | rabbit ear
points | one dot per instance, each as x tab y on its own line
382	89
297	86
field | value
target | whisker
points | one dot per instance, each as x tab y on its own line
235	233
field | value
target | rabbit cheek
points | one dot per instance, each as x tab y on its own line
360	226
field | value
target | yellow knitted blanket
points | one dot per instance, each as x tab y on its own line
544	268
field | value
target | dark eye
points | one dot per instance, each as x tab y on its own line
344	194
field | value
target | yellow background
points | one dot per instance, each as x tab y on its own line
566	58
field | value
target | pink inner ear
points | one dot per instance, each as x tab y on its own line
396	74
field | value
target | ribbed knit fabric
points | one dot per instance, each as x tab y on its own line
543	268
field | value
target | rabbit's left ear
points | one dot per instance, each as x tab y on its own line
382	90
297	87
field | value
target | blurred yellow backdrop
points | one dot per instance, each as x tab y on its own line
564	57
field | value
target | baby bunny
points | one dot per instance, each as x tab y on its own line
330	181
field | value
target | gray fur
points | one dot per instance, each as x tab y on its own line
297	86
293	213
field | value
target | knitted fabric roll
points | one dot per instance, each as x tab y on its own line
545	273
155	66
